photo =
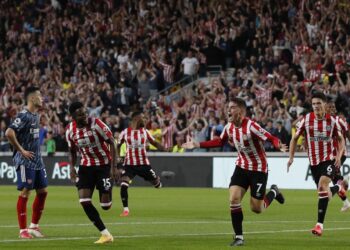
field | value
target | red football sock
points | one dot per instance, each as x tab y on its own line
22	212
38	207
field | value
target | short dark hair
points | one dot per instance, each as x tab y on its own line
136	113
29	91
319	95
239	101
201	122
330	100
74	106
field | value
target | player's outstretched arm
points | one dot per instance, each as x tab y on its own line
283	147
190	145
292	145
73	161
159	146
205	144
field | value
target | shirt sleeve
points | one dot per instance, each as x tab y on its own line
344	125
300	127
68	137
211	144
337	130
257	130
262	134
20	122
150	138
224	133
121	138
103	129
219	142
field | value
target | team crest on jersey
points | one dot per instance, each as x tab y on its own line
328	128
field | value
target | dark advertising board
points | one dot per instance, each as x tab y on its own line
176	171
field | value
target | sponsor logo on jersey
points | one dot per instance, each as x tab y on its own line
320	138
244	149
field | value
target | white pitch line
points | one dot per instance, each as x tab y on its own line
168	235
128	223
172	223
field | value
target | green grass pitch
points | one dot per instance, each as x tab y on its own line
176	218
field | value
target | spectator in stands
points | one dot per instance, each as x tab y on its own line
95	107
269	128
179	138
128	53
200	133
281	133
190	65
50	144
4	144
156	132
123	96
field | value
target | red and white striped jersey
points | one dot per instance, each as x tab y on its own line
315	73
264	96
248	140
136	141
168	72
344	129
91	142
319	136
168	135
299	51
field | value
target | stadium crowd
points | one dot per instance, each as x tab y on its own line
116	56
